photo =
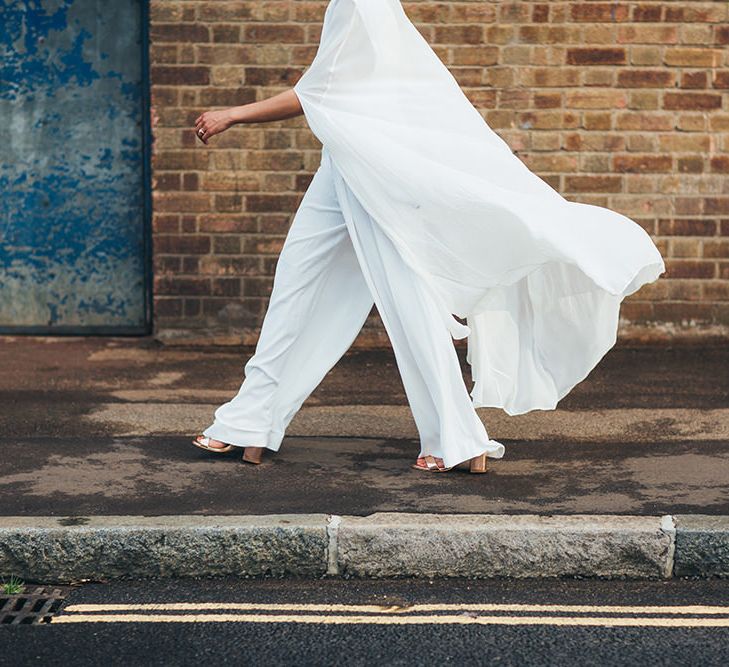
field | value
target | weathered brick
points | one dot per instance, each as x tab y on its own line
648	34
183	33
688	57
684	268
596	56
182	244
278	34
593	183
181	285
180	75
645	78
691	101
599	12
643	163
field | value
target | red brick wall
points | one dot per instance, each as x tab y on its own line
620	104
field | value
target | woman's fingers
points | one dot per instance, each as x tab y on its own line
209	124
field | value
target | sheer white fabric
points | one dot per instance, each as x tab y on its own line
538	279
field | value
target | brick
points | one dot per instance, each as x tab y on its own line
714	205
684	268
718	249
230	266
721	79
178	285
643	163
595	99
226	33
179	32
599	12
226	287
686	227
277	34
645	78
262	203
694	79
691	101
181	202
593	184
182	244
225	11
596	56
696	12
682	311
228	223
165	307
271	76
719	164
474	55
691	165
647	34
460	34
721	34
226	245
180	75
687	57
647	13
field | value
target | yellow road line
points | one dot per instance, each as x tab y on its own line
397	609
604	621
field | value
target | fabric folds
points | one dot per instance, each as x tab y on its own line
538	279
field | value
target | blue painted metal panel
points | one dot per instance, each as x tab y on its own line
74	229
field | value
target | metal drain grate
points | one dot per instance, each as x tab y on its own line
35	605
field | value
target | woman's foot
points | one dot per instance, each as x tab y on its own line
250	454
430	463
477	464
203	442
216	444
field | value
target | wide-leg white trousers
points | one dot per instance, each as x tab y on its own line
335	263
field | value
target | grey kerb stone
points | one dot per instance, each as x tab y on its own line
380	545
702	546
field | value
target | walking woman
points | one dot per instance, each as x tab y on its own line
419	207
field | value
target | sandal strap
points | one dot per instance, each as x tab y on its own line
431	462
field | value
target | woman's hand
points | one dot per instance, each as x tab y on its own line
213	122
279	107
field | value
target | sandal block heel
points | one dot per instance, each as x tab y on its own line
253	454
478	464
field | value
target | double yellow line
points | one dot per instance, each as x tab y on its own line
688	616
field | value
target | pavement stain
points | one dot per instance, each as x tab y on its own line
120	471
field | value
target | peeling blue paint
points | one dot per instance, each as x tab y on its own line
72	209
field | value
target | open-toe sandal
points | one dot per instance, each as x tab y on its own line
203	442
476	465
250	454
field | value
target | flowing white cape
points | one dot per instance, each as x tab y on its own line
538	279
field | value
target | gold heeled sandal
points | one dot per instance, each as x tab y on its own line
250	454
476	465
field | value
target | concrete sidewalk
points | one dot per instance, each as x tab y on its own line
96	428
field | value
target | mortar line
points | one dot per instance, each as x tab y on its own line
333	546
668	526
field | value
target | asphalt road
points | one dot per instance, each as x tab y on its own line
396	622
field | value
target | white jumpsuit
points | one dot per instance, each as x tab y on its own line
421	206
334	264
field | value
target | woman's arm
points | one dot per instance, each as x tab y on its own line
279	107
